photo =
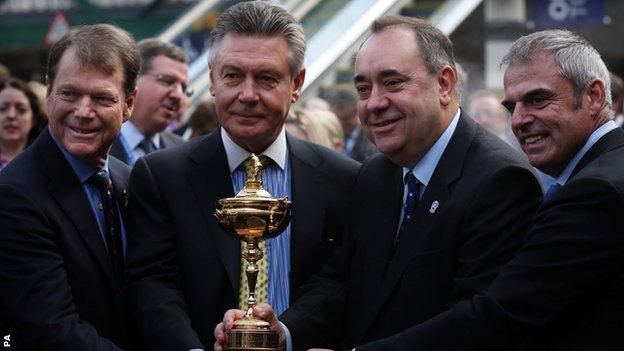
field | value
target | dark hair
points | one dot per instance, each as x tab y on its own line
436	49
262	19
152	47
102	46
39	120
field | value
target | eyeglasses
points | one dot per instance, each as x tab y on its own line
172	83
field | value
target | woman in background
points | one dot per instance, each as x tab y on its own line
21	118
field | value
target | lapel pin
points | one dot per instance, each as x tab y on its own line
434	206
125	198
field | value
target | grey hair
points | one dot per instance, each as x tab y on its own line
260	18
577	60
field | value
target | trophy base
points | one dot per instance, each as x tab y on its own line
251	334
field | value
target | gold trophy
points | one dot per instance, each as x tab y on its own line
253	215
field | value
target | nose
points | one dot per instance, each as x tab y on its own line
248	93
177	90
9	113
377	100
84	107
520	117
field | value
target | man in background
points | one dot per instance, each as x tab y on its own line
162	88
343	102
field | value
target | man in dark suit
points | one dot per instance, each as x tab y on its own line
183	270
564	290
418	245
343	103
162	91
61	256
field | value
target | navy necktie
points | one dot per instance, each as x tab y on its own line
147	146
551	190
413	192
103	183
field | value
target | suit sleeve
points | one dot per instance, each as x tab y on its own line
574	244
33	281
317	318
154	295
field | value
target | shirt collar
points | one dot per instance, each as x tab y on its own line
82	170
236	154
133	136
564	176
423	170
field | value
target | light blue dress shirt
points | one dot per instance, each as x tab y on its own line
130	138
84	171
276	180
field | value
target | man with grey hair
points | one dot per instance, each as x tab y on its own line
162	94
432	218
564	289
183	270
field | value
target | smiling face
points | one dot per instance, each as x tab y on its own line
546	120
403	108
160	97
16	116
86	107
253	88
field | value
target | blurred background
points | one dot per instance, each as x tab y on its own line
481	31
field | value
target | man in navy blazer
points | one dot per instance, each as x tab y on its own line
564	289
432	218
59	282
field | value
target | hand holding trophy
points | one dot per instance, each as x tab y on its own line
253	215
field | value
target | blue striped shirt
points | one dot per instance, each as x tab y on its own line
275	180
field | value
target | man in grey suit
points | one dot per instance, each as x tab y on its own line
431	219
162	91
183	270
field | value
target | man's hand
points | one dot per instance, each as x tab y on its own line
262	311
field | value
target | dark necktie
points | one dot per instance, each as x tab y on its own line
413	191
551	190
147	146
110	209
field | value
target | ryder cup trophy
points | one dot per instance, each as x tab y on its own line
253	215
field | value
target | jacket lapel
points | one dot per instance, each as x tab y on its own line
428	212
608	142
66	189
209	176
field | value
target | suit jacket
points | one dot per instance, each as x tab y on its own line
564	290
183	269
167	140
471	218
56	279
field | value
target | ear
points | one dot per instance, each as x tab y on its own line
298	86
447	81
596	96
212	89
129	105
48	86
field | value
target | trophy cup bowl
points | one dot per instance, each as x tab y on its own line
251	216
